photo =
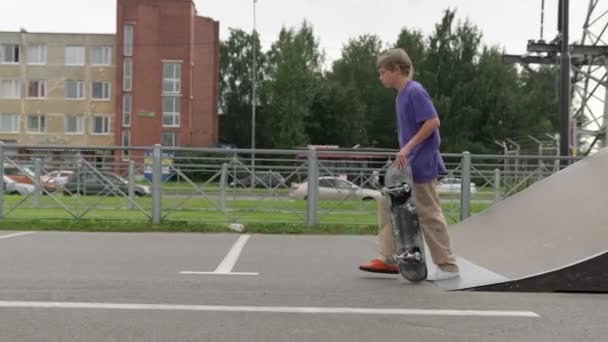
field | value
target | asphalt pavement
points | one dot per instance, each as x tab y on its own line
67	286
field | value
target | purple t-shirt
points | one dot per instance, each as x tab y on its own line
414	106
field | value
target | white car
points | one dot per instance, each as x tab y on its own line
453	185
334	188
10	186
60	177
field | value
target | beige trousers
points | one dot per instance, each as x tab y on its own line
433	225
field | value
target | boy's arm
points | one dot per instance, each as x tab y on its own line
425	131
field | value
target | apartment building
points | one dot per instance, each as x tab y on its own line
155	81
57	88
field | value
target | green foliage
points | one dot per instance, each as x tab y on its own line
479	98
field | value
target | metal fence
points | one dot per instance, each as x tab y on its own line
310	186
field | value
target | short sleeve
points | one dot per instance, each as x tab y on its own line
422	105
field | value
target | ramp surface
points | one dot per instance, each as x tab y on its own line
551	237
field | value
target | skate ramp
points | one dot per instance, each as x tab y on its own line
552	236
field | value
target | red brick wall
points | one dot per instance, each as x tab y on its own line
169	30
206	82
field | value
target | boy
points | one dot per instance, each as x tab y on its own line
418	130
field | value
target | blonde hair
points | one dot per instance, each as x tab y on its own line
392	58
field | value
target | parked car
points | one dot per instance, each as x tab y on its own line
453	185
102	183
262	180
334	188
25	175
61	177
11	187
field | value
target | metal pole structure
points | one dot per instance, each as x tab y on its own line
564	84
542	18
131	185
556	141
2	185
516	163
37	182
605	121
505	161
497	192
223	176
78	174
465	187
540	154
157	169
313	188
253	97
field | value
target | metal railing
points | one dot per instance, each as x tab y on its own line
304	186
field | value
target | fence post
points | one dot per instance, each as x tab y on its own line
37	184
497	192
465	187
223	186
556	166
313	187
78	174
2	185
235	160
156	184
540	174
131	184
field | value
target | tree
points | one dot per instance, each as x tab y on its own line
294	67
357	73
338	116
413	42
236	64
478	97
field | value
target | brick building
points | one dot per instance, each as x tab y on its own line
155	81
167	62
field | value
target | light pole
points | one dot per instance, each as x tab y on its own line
564	86
253	98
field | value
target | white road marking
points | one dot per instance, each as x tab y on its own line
226	266
15	235
233	255
269	309
220	273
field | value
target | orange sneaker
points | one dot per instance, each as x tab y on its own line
379	266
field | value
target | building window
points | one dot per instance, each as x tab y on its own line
126	141
101	125
36	54
170	139
128	40
172	76
9	54
36	123
127	78
74	124
101	55
10	89
36	89
171	87
74	55
126	110
74	89
100	90
9	123
171	111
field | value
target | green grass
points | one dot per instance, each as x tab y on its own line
199	215
215	188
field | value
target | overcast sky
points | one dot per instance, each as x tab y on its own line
507	23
